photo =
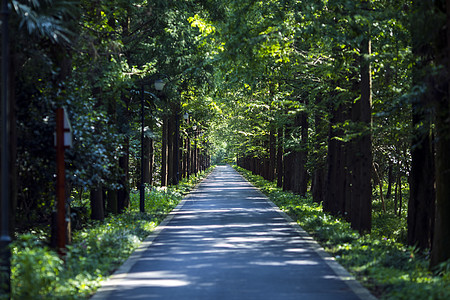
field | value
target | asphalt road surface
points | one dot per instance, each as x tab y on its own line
227	241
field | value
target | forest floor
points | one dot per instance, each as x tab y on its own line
227	241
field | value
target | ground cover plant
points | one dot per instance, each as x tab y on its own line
388	268
96	251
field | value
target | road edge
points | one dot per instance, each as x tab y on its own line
108	285
360	291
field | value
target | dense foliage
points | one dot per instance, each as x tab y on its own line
342	101
97	249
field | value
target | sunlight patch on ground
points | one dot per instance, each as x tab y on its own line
285	263
153	279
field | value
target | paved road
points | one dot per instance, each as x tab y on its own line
226	241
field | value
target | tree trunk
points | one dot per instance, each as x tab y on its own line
146	163
319	163
272	155
317	185
288	162
176	148
188	157
111	203
13	167
336	177
390	180
151	161
422	176
164	152
97	206
170	149
183	152
299	179
441	242
400	195
422	180
195	155
380	185
192	156
303	171
123	194
280	154
361	205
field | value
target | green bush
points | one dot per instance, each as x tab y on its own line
35	269
96	251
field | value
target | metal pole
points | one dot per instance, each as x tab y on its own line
5	239
142	187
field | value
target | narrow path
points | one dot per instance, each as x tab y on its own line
228	242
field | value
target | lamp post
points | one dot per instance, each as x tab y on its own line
159	86
5	239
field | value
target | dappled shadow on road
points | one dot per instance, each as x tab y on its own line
228	243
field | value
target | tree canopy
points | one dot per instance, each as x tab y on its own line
345	101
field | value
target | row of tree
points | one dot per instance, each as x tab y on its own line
330	95
339	97
100	59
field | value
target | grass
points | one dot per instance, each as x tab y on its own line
380	261
96	251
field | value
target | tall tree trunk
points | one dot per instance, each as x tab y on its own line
390	179
336	179
400	195
318	178
195	154
13	168
111	203
146	158
176	147
303	171
151	161
188	157
183	153
97	205
288	161
297	157
192	156
317	184
422	180
280	154
170	149
299	177
441	242
164	151
272	155
361	185
123	194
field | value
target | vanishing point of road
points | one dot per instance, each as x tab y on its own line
227	241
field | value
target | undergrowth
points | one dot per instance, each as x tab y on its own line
96	251
388	268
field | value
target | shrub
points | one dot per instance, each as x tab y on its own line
97	249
